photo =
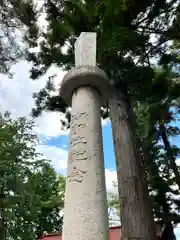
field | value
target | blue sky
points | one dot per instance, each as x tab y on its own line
109	159
108	151
62	141
16	97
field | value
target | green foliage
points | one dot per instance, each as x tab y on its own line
163	185
125	51
113	206
31	193
163	181
14	17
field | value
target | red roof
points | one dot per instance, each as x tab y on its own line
114	234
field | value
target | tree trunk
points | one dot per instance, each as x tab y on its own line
167	146
135	209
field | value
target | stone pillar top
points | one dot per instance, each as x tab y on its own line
84	76
85	49
85	73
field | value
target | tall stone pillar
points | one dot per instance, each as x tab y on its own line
84	88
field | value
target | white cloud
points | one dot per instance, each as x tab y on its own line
16	97
49	125
111	176
178	161
177	232
57	155
105	122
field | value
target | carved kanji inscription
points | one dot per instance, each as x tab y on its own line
77	128
78	155
78	116
76	175
78	147
77	141
81	155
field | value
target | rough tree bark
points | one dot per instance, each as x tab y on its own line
135	208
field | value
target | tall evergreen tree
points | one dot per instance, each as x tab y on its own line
163	187
124	51
162	182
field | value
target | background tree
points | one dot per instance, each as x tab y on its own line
31	193
163	187
113	206
14	16
125	51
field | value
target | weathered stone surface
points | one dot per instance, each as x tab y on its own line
85	216
85	49
84	76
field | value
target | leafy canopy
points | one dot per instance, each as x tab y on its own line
31	193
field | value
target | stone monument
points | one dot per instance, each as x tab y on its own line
85	88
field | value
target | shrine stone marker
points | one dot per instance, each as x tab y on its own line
85	88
